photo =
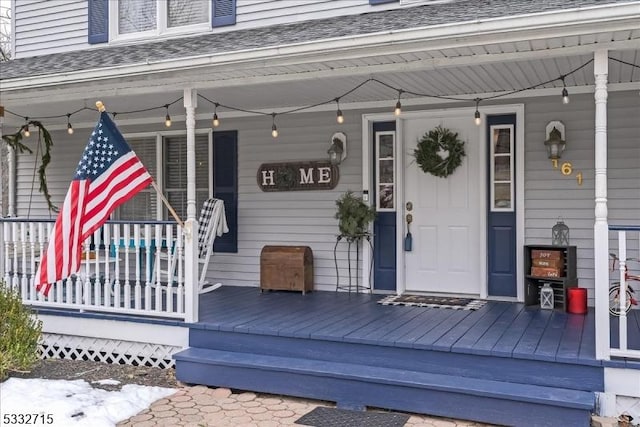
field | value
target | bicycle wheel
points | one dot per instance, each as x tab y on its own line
614	299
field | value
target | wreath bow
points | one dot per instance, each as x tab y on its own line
439	152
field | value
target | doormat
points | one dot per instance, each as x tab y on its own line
334	417
434	302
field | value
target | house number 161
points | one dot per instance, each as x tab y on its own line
567	169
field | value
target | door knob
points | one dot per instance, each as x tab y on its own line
409	218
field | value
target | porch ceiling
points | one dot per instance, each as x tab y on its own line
465	71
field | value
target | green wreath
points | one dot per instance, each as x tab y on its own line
428	156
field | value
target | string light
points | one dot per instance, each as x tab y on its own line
398	109
25	128
167	119
69	127
565	92
339	116
274	128
216	121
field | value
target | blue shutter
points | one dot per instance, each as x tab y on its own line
223	12
98	21
374	2
225	186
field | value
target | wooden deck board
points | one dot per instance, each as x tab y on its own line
475	332
445	325
531	337
550	341
508	341
487	342
498	329
569	347
380	327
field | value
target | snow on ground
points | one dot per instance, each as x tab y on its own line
72	403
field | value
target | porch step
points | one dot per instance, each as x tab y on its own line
548	373
358	386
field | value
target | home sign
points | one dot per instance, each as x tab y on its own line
292	176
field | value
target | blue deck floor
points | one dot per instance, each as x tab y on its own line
499	329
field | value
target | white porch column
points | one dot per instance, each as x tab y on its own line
601	226
191	224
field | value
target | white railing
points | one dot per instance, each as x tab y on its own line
132	268
627	254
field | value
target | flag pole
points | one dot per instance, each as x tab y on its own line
100	106
166	202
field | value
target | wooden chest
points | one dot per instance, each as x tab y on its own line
286	268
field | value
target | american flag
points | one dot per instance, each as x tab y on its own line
109	173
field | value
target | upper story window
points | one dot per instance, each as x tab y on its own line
113	20
153	17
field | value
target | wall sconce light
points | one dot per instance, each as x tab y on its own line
338	149
555	142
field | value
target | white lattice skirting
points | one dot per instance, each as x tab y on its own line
56	346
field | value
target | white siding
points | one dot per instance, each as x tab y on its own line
51	26
549	194
307	217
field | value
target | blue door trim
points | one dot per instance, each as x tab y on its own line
384	230
501	228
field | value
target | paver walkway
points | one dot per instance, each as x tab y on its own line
201	406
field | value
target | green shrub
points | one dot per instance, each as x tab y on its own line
19	333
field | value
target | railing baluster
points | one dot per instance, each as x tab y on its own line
172	260
622	320
148	303
127	271
138	289
6	251
180	257
14	239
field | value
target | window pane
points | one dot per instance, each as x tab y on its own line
386	146
187	12
502	141
136	15
502	171
142	207
386	196
176	172
502	196
386	171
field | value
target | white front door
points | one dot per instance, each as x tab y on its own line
446	252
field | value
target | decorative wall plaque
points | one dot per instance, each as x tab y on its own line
292	176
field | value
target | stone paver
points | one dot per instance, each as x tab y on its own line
202	406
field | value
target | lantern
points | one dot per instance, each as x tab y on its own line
560	234
546	296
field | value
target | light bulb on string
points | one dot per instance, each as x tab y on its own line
339	116
398	109
565	92
167	119
216	121
274	128
69	127
25	128
476	116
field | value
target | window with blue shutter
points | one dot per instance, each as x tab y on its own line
98	21
225	186
374	2
223	12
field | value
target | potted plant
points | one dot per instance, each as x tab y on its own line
354	216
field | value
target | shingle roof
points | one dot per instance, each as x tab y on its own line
285	34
